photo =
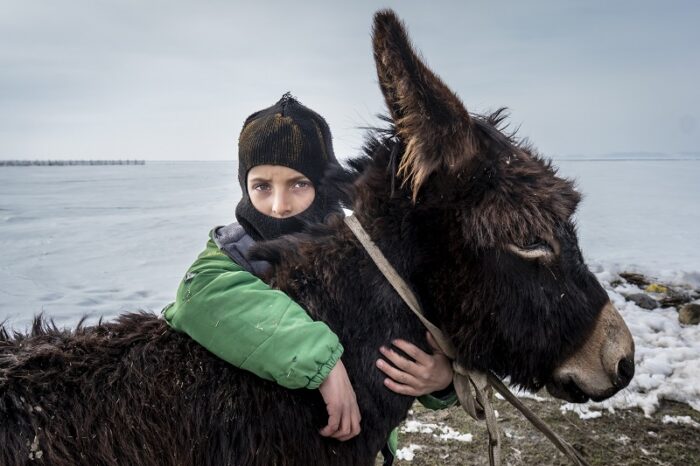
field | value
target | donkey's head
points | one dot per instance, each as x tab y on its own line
502	268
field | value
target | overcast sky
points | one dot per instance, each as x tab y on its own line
174	80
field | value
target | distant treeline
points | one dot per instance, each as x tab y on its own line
52	163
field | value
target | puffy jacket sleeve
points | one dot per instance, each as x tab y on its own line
440	400
243	321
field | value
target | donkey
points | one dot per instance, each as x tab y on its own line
479	226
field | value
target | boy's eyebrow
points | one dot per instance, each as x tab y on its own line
258	178
300	177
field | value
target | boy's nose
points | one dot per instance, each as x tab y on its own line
281	207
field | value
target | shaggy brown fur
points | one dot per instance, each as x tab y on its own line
134	392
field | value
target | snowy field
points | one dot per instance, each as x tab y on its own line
96	241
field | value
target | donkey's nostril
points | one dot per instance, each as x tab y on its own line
625	372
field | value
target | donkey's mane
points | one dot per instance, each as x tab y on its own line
380	140
494	126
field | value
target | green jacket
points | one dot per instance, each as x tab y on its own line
243	321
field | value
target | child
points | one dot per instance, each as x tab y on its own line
283	152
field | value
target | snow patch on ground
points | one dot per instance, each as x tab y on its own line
583	411
451	434
521	393
440	430
407	453
687	420
413	426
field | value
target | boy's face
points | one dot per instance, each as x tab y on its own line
279	191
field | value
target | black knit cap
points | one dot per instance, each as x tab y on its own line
294	136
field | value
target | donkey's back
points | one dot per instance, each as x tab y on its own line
135	392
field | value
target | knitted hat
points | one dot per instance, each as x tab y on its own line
294	136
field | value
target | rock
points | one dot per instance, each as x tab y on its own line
656	288
635	279
676	298
690	314
642	300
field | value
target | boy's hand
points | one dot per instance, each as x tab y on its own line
343	413
427	373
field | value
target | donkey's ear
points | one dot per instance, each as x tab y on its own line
429	117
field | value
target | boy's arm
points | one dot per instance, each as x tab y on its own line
243	321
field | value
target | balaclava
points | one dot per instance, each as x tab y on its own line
296	137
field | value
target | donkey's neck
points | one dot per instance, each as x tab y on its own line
334	278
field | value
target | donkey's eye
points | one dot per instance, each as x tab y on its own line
534	249
537	244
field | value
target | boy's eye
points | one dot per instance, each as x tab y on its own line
302	184
261	186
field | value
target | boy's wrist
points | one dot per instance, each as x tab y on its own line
326	367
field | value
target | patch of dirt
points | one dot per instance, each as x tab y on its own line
625	437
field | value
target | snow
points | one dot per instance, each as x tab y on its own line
445	431
524	394
450	434
407	453
685	420
583	411
413	426
99	241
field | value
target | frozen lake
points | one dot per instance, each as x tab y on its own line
99	240
640	214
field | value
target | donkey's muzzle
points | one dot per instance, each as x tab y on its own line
602	366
